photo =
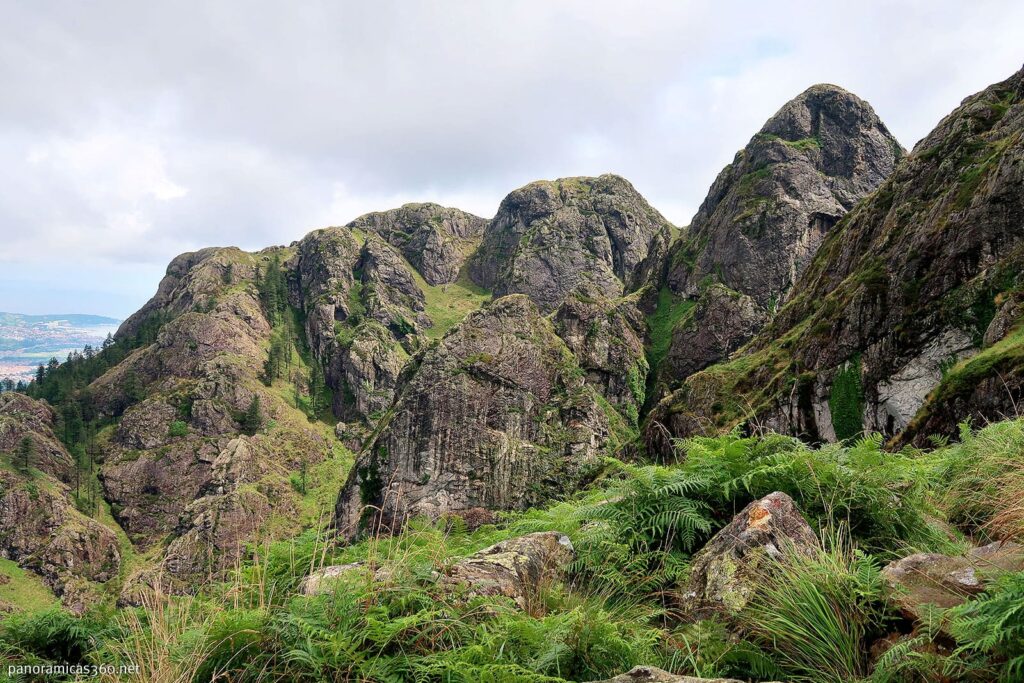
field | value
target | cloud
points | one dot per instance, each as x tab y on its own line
130	132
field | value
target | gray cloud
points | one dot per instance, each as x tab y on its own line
132	131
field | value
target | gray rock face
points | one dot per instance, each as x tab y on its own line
606	336
768	212
434	239
550	237
915	270
724	574
721	322
21	417
362	305
497	416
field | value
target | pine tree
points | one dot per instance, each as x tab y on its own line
26	449
252	419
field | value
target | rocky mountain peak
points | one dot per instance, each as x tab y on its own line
550	237
768	211
436	240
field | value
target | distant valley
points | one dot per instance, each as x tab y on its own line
28	340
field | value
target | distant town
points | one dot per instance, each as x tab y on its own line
28	340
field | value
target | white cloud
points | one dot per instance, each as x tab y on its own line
132	131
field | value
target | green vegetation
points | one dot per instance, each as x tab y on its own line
820	612
669	312
447	305
846	401
814	616
23	590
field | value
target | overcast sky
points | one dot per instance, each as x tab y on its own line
133	131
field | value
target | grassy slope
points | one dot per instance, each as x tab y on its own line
24	590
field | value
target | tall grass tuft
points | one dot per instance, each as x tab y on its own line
818	614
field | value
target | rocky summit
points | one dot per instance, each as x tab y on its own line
571	442
550	238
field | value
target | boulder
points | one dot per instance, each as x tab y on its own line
942	581
517	568
725	572
651	674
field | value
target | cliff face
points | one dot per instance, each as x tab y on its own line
765	217
551	237
475	366
496	417
907	319
768	211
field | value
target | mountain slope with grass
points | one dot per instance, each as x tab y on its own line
428	447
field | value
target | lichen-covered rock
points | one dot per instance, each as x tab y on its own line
930	580
364	311
651	674
606	336
517	568
767	213
326	580
725	573
550	237
722	321
434	239
497	416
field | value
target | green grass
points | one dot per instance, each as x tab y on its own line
812	617
819	613
24	591
447	305
670	310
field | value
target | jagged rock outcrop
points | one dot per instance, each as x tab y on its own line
721	321
725	573
768	211
607	338
518	568
892	317
434	239
923	581
40	527
497	416
363	314
176	469
765	217
550	237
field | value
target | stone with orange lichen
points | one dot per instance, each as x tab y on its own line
724	573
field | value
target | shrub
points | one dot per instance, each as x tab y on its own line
53	635
178	429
